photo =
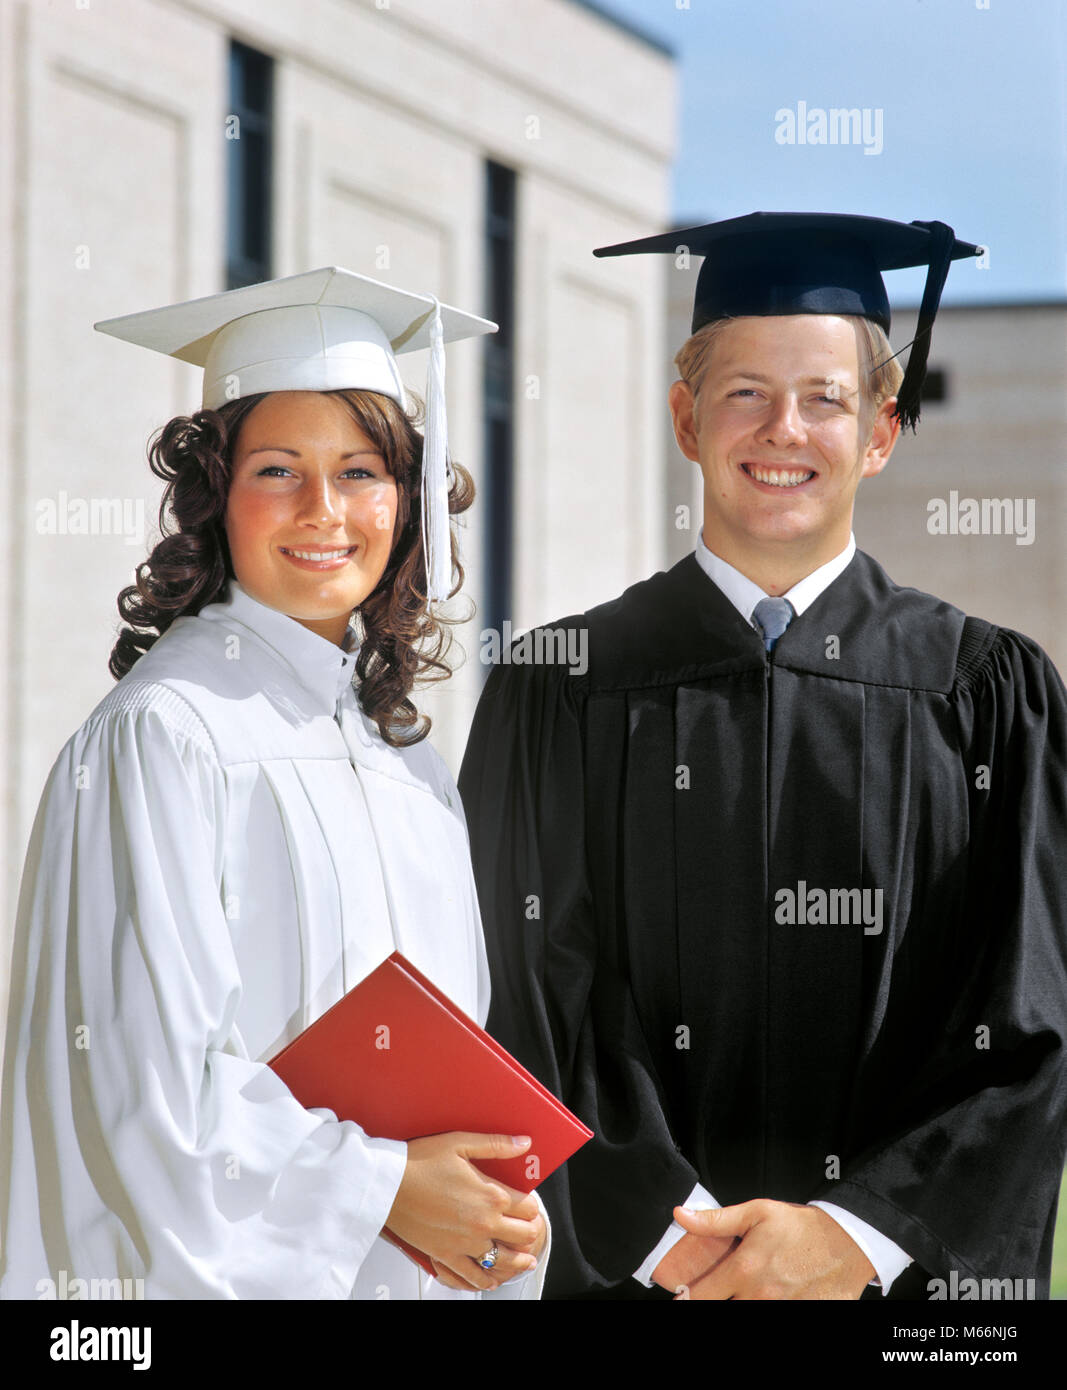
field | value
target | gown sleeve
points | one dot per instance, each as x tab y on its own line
967	1176
139	1139
561	1002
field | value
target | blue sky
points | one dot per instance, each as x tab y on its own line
973	129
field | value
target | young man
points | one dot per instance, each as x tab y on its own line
771	891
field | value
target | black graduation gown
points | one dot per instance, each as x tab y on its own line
632	830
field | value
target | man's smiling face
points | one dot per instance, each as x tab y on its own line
780	432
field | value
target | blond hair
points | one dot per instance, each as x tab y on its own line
880	373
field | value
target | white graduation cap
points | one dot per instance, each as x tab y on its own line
324	330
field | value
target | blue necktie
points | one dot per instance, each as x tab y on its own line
772	616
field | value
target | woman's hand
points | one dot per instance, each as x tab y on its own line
454	1213
455	1281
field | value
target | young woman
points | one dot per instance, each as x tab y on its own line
241	831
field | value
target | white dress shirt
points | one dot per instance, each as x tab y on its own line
223	849
884	1254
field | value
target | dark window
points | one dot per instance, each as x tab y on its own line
935	387
498	487
248	167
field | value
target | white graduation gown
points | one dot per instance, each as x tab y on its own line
223	849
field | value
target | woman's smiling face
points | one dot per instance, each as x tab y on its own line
311	510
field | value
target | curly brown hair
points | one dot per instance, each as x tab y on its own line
190	567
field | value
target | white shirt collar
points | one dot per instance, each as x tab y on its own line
744	594
319	664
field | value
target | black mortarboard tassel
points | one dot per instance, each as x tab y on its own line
909	397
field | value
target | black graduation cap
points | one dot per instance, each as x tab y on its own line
773	263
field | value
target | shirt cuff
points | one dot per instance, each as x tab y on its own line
700	1199
887	1257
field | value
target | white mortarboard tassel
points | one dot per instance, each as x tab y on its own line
436	472
323	330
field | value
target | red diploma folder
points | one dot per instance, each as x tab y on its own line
399	1058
